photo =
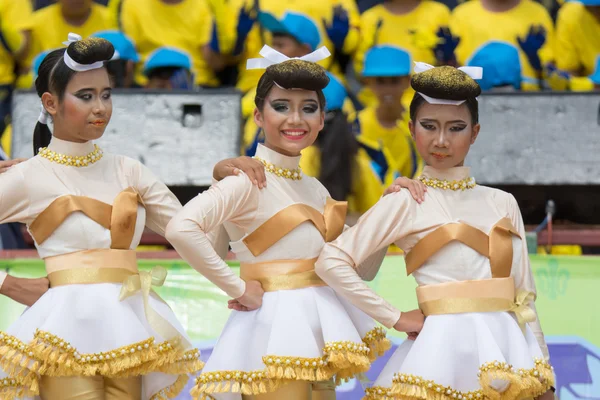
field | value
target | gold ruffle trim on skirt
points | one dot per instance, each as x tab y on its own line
341	360
50	355
523	384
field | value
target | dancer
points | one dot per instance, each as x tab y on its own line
290	334
100	332
465	246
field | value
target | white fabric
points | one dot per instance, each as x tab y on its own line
101	323
272	57
74	65
473	72
90	317
291	322
44	117
2	278
469	340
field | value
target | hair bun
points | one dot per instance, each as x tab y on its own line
298	74
91	50
447	83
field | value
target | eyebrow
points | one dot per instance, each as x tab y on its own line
93	90
456	121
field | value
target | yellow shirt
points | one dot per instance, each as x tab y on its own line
50	30
577	39
15	17
187	26
395	143
317	10
405	31
476	26
378	26
366	186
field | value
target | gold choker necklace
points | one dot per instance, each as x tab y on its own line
72	161
293	174
463	184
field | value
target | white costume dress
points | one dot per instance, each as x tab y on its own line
304	330
467	252
78	216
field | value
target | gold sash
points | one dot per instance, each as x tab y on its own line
497	246
489	295
330	224
123	269
120	218
282	274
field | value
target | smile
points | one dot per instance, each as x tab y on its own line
294	134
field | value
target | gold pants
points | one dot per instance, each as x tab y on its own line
90	388
299	390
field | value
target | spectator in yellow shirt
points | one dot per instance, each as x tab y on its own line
168	68
523	23
578	39
182	24
122	67
410	25
14	42
336	20
51	25
382	130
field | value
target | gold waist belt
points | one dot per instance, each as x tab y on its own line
282	274
113	266
490	295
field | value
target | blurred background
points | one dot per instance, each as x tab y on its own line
184	101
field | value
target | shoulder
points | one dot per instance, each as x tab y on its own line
436	8
236	185
534	9
570	11
504	200
373	13
43	14
101	10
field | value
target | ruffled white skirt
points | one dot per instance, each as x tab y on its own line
307	334
466	356
84	330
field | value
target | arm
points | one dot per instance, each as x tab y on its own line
23	290
565	43
160	203
14	196
234	199
385	223
521	272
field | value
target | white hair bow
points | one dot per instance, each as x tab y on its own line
44	117
74	65
473	72
272	57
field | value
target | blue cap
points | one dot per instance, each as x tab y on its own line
586	2
299	26
167	57
335	93
124	47
595	77
386	61
501	65
37	61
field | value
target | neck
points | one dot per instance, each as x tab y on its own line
499	6
76	19
400	7
281	151
59	136
388	116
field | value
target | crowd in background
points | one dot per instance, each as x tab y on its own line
195	44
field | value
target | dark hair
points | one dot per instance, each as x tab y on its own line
446	83
54	75
338	153
419	100
117	69
292	74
